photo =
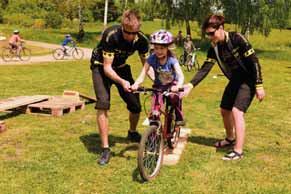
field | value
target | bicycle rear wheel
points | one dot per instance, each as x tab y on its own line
150	153
188	63
7	54
58	54
78	53
173	132
25	54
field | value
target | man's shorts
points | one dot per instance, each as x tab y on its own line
237	95
102	85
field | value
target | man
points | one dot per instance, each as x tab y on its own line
237	60
108	65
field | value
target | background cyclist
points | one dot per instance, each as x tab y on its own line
188	46
168	73
15	40
68	39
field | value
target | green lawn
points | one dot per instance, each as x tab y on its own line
40	154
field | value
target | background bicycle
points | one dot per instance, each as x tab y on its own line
22	53
73	51
161	133
190	61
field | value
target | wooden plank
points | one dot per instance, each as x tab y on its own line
20	101
172	157
90	99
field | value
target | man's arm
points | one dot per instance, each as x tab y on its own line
111	74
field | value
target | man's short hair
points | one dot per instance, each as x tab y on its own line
131	20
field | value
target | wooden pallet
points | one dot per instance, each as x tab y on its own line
20	101
56	106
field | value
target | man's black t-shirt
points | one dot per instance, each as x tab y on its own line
113	45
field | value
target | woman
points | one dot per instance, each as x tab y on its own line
237	60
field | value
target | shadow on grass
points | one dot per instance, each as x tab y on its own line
136	176
8	115
92	142
208	141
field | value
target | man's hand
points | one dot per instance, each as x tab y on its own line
126	85
260	94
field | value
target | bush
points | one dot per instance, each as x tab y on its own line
18	19
39	24
53	20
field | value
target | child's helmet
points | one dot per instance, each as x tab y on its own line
162	37
16	31
68	35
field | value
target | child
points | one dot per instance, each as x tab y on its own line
14	40
66	41
168	73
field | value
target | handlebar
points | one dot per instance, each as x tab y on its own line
156	90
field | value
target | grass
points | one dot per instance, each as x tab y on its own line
50	155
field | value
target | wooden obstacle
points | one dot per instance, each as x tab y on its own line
20	101
2	126
56	106
87	98
172	157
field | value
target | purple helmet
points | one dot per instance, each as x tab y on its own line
162	37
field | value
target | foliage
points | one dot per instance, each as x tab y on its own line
53	20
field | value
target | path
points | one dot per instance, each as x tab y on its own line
44	58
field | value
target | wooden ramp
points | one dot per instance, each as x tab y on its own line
172	157
20	101
56	106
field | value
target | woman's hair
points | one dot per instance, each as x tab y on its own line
213	21
131	19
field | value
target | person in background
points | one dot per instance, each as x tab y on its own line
15	40
239	63
188	46
68	39
179	38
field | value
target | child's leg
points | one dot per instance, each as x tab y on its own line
177	104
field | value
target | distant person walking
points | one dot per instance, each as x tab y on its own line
108	65
239	63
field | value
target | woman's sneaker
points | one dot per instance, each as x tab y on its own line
105	156
133	136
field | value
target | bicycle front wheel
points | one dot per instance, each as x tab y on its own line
25	54
189	63
78	54
181	60
150	153
196	64
7	54
58	54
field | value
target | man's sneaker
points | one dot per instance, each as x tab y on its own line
133	136
180	123
105	156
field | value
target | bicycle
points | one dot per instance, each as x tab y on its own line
151	146
22	53
77	53
191	60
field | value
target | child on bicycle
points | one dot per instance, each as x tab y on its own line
68	39
15	39
168	73
188	46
